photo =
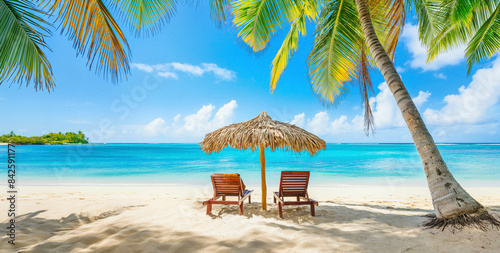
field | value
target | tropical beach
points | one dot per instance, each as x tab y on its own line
369	208
250	126
172	219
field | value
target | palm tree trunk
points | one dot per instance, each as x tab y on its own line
452	204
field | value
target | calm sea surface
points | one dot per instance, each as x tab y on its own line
392	164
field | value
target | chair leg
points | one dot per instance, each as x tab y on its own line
223	198
312	210
249	199
241	209
298	199
209	208
280	210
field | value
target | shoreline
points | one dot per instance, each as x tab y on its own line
42	144
328	143
357	183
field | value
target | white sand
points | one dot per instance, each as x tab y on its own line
172	219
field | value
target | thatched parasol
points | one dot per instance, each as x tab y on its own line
262	132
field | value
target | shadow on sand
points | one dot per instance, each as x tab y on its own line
376	225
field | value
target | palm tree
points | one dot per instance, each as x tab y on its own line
346	45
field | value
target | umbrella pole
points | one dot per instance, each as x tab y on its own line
263	177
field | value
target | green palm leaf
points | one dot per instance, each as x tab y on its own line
308	10
147	16
457	33
334	58
289	46
257	20
486	41
429	16
218	10
462	19
22	33
388	17
95	34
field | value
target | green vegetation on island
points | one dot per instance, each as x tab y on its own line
51	138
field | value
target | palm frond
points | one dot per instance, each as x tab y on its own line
147	16
95	34
429	17
454	34
365	86
289	46
22	32
485	42
395	20
463	19
308	10
219	10
311	8
334	58
257	20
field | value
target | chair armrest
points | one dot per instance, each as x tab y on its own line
208	201
276	196
246	194
314	202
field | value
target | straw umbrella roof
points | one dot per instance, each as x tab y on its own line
262	131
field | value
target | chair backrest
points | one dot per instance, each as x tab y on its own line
227	184
294	183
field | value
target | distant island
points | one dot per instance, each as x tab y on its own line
51	138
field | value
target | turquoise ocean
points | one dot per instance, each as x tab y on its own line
339	164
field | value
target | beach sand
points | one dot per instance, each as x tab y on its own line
172	219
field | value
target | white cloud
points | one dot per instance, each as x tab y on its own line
193	125
143	67
472	103
419	52
198	121
400	69
154	128
299	120
219	72
319	124
170	70
466	114
440	76
188	68
201	122
385	112
441	133
167	74
340	124
224	115
421	98
177	117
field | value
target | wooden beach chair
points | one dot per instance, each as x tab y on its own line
228	185
294	184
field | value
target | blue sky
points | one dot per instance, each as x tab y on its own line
193	78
